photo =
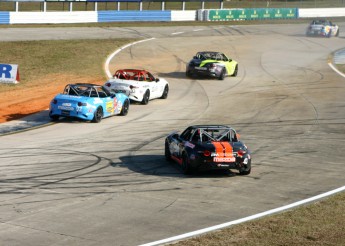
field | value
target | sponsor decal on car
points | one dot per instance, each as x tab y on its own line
109	107
224	159
65	108
190	145
222	154
119	106
201	68
222	165
97	101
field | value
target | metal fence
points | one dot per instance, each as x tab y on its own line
92	5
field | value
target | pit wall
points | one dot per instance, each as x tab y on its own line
165	16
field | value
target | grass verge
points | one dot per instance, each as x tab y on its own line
41	59
320	223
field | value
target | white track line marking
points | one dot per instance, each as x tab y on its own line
176	33
106	65
252	217
335	69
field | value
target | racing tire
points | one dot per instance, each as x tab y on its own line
167	153
188	73
125	108
98	115
337	34
235	71
222	75
186	169
146	98
165	92
245	171
329	34
54	117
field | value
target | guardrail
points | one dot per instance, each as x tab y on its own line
98	5
147	15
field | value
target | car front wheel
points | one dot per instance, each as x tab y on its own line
185	165
125	108
235	71
165	92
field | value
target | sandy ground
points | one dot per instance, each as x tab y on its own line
24	101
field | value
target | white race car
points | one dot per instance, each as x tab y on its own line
139	85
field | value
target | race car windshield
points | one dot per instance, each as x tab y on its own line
318	22
206	56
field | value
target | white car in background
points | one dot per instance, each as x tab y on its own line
138	84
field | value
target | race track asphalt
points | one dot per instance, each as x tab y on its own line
76	183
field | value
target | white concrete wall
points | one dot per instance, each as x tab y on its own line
53	17
187	15
327	12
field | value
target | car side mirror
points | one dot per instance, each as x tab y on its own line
157	79
230	59
195	57
112	95
176	136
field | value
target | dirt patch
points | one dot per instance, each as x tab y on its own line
23	101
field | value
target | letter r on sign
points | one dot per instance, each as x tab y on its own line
5	69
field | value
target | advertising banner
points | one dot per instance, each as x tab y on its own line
251	14
9	73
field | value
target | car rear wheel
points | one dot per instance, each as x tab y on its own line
185	165
125	108
236	71
98	115
146	98
222	75
188	73
329	34
245	171
54	117
165	92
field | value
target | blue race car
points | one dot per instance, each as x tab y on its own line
88	102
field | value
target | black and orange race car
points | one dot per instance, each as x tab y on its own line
208	147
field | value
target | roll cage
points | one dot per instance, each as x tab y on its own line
211	55
86	90
205	134
134	74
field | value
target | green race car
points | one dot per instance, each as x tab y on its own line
212	64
